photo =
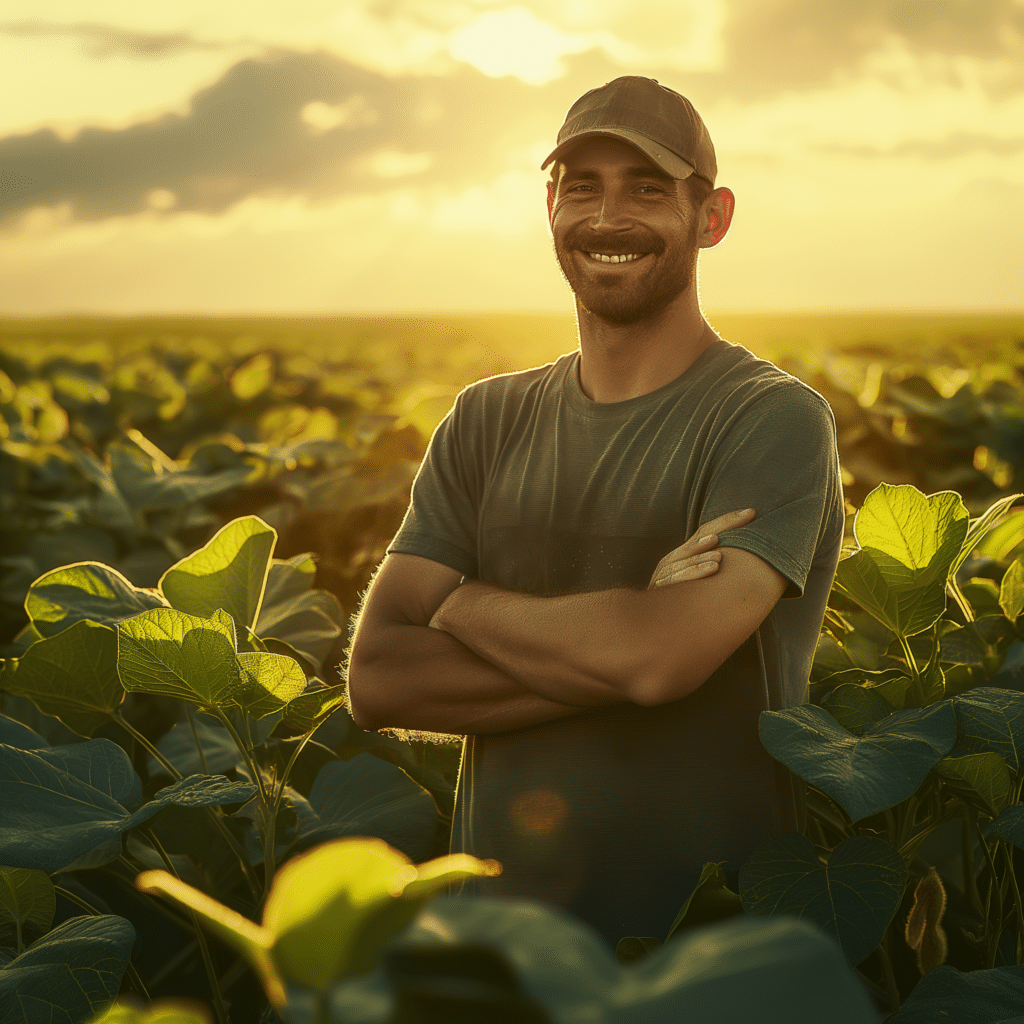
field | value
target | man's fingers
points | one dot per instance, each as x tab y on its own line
727	522
686	572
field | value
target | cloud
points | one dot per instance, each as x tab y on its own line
101	41
286	124
955	145
772	45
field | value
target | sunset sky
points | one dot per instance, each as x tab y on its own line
251	156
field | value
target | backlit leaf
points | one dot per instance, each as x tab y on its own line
271	680
1011	590
170	652
228	572
85	590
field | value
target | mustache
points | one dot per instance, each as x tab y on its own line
622	243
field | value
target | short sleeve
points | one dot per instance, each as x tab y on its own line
779	457
441	520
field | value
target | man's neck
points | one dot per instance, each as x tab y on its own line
619	362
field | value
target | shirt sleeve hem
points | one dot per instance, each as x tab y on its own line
436	549
775	557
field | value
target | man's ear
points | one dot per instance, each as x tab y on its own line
717	212
551	198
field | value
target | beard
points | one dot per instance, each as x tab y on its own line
640	296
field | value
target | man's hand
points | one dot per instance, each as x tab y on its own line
699	556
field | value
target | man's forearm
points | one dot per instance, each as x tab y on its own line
425	679
568	649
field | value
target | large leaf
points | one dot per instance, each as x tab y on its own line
85	590
270	682
711	900
990	718
770	971
330	911
69	975
1009	826
908	543
1011	589
366	796
169	652
852	898
306	619
312	708
27	901
982	527
71	676
229	572
864	774
985	774
14	734
62	802
974	997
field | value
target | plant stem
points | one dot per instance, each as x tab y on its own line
139	738
195	739
182	956
967	857
890	981
992	944
958	596
211	974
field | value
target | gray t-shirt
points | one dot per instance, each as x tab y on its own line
530	485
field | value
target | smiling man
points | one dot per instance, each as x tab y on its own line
612	564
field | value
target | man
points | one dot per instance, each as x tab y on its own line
608	673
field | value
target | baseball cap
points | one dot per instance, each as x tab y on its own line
657	120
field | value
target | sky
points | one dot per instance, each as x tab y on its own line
383	156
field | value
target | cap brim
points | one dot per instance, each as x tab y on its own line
672	164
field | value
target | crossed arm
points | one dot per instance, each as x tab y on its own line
497	660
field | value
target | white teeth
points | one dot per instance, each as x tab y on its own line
623	258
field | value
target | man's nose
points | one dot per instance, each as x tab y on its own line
611	213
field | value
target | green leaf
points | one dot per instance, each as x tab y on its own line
305	619
990	718
966	997
1011	590
69	975
332	910
1010	825
981	528
851	898
27	901
169	652
62	802
14	734
921	532
311	709
71	676
162	1011
985	774
711	900
864	774
907	545
271	681
366	796
228	572
86	590
857	708
770	971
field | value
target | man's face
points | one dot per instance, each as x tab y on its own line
610	200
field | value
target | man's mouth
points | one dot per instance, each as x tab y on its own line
622	257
